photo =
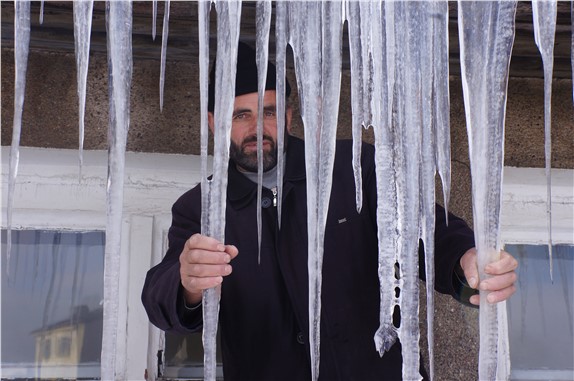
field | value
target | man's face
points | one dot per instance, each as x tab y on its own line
243	148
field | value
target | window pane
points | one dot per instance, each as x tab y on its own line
184	356
52	292
541	314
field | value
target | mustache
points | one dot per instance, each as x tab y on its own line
253	139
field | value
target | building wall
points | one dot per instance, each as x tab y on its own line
51	119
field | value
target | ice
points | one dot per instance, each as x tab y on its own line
154	19
228	22
263	23
544	20
41	12
486	33
21	49
280	60
119	42
441	96
315	36
164	37
82	30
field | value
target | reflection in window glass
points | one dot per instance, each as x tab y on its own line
52	292
541	313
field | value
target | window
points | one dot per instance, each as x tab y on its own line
52	291
540	314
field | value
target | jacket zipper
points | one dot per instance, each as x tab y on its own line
274	191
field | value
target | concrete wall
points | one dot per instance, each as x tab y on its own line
51	119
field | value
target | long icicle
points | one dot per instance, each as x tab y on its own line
281	31
21	49
119	35
485	59
82	29
228	23
544	19
154	19
164	37
262	26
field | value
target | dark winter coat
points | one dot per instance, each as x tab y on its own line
264	307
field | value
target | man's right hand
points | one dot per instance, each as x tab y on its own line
204	261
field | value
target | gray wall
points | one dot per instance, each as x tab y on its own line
51	120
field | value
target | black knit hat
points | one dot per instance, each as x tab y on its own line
246	76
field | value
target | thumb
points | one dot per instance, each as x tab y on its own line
470	268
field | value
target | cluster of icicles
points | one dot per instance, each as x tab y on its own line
399	78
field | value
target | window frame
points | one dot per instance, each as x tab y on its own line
524	221
49	195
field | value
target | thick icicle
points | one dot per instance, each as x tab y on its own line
154	19
164	37
486	33
203	10
387	220
21	49
544	18
228	22
408	123
82	30
263	23
441	96
119	36
318	69
280	61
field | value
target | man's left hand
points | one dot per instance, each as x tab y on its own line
502	276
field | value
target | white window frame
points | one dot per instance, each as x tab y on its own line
48	195
524	221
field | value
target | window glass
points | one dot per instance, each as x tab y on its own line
184	356
541	313
52	292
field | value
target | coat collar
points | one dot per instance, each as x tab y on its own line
241	190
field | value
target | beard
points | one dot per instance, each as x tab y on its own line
248	161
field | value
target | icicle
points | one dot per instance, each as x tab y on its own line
387	219
408	30
164	37
441	96
228	22
21	48
154	19
319	80
82	30
119	36
544	18
486	33
280	60
263	23
358	13
41	12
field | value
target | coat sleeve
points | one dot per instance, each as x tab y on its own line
162	292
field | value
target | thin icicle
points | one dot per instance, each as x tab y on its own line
263	24
486	33
21	49
119	36
164	37
318	68
204	8
154	19
228	22
41	12
358	14
544	18
82	30
280	60
441	96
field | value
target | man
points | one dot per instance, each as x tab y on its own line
264	307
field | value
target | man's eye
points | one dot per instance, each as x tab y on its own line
269	114
240	116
